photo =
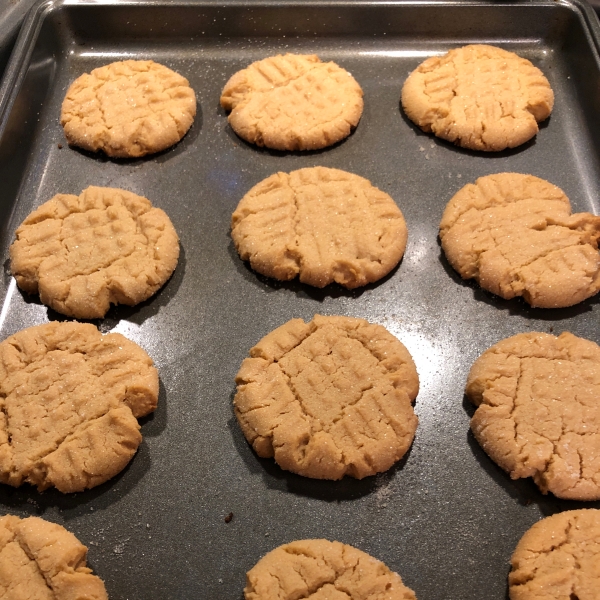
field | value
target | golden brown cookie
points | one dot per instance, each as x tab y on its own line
84	253
322	570
558	559
538	413
323	225
328	398
293	102
515	235
128	108
43	561
69	402
479	97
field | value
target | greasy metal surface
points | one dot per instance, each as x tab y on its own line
446	518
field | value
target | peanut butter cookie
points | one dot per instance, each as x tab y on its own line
538	413
323	225
479	97
322	570
515	235
328	398
293	102
128	108
84	253
43	561
558	558
69	402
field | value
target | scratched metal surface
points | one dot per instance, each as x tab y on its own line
445	518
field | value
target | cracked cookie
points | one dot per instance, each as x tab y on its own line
538	413
128	108
515	235
479	97
558	558
320	569
43	561
70	398
84	253
328	398
293	102
323	225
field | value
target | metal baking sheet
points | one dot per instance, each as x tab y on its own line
12	13
595	4
445	518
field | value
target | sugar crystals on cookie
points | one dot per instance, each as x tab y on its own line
322	225
128	108
479	97
70	398
39	559
293	102
84	253
322	569
328	398
515	235
558	558
538	413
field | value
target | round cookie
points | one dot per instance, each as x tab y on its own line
538	413
322	570
84	253
43	561
69	402
479	97
323	225
128	108
558	558
515	235
328	398
293	102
